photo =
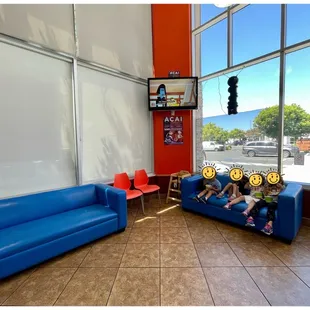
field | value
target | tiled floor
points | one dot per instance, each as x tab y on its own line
171	258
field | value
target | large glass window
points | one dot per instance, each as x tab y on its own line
209	11
250	137
36	123
298	23
297	114
256	31
214	48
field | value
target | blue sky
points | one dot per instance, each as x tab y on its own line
256	31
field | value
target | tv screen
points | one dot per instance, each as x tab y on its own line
173	93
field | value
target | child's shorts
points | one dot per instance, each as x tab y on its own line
248	199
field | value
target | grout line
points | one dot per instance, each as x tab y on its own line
244	267
65	285
22	283
201	265
298	275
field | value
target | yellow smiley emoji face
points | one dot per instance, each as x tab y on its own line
273	177
208	172
236	174
256	179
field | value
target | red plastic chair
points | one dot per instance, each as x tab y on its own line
141	181
121	181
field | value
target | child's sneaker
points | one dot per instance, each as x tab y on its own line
232	197
204	200
196	198
250	222
227	206
267	230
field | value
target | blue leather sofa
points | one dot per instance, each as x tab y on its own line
288	214
37	227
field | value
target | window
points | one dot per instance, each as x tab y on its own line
297	114
37	151
256	31
298	23
214	48
258	100
209	11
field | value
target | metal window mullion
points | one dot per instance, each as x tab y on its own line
229	38
282	88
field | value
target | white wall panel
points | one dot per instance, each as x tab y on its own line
116	126
50	25
36	123
118	36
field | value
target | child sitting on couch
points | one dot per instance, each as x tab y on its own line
211	185
273	187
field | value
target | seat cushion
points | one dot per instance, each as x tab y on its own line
21	237
148	188
131	194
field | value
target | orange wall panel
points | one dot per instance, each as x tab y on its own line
172	52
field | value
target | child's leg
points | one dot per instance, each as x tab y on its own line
254	210
271	214
226	188
233	202
208	195
202	193
233	192
249	208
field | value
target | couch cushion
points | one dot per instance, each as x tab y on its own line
19	210
27	235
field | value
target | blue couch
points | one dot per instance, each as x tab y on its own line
288	214
38	227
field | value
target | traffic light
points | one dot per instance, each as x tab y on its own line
232	99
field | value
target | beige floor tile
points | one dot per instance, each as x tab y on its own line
42	288
115	238
303	234
9	285
144	235
232	286
146	221
148	211
104	255
235	234
175	235
303	273
141	255
291	255
130	220
281	286
194	220
172	221
72	259
178	255
88	287
184	287
135	287
216	255
201	235
255	254
174	210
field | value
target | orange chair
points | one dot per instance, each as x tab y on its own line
121	181
141	181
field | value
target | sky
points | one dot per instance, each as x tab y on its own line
256	31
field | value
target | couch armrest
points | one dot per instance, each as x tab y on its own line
290	203
115	199
190	185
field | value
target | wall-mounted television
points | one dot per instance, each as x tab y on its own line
175	93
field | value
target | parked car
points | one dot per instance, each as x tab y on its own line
268	148
212	146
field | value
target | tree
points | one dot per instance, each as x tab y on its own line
253	134
296	121
211	132
237	134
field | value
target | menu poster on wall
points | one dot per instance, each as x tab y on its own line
173	130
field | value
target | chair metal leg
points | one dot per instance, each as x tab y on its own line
159	198
142	203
